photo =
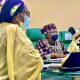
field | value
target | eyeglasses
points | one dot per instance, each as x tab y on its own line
26	12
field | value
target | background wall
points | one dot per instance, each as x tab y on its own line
64	13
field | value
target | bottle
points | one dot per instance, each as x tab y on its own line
48	54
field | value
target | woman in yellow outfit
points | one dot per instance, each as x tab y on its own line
73	46
18	59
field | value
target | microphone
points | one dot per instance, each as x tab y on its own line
72	30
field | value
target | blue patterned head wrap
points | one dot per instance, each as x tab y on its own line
9	9
48	28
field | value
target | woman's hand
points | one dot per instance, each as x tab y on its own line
56	55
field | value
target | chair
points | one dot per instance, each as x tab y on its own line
65	37
34	34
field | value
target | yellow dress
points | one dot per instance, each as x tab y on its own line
18	58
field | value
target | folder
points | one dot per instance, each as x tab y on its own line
72	62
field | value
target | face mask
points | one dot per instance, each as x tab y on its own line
26	22
54	37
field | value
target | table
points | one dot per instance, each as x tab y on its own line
53	72
60	75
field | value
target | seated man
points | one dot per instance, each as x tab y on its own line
18	58
51	46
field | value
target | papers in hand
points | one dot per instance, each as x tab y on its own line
58	60
52	67
52	64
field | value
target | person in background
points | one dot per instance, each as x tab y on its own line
18	58
75	44
51	47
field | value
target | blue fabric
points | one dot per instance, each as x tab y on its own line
5	13
73	61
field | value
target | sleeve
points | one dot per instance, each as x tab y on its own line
43	48
40	49
27	61
73	47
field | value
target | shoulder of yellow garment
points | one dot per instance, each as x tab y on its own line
5	24
73	47
64	59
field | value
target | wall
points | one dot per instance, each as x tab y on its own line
64	13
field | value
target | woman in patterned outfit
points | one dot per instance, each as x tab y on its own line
51	46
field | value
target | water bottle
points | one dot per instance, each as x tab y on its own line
48	54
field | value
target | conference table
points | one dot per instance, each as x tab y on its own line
50	72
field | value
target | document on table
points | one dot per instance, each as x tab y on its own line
54	65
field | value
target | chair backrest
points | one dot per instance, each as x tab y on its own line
65	37
34	34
